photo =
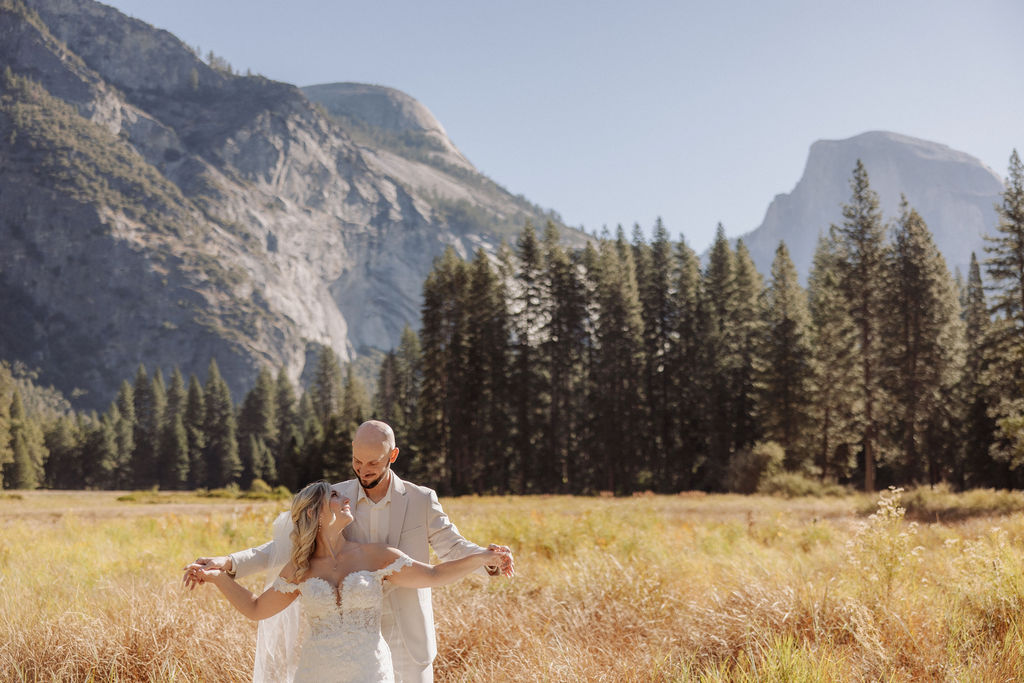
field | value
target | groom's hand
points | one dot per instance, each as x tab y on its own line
507	566
193	572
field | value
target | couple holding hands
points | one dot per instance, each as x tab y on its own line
348	590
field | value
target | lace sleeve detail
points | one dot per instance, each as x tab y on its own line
283	586
398	565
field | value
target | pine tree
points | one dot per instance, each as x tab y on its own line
124	429
786	368
690	370
862	277
924	347
385	398
444	342
654	267
566	339
835	396
335	455
223	466
149	401
733	291
1005	264
256	419
311	456
289	433
617	373
64	463
529	396
27	469
100	450
174	455
486	377
409	383
262	467
355	404
6	395
977	469
20	474
1005	267
194	422
749	322
174	451
326	390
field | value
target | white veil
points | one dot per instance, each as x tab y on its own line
277	639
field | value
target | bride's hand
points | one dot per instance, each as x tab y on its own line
498	560
195	576
201	564
505	564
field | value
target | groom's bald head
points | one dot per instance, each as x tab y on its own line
374	433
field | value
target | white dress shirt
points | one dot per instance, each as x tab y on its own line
372	519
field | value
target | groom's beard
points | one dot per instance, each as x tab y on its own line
377	480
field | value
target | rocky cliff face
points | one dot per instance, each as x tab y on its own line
156	210
954	193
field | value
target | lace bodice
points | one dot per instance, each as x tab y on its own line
341	639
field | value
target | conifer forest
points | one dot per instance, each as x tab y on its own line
632	364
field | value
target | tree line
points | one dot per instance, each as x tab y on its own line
178	435
626	365
630	365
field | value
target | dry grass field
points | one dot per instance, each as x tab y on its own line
654	588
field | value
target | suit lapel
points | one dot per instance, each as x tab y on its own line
399	503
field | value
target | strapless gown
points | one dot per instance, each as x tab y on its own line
341	640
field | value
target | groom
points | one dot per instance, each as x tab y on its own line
386	510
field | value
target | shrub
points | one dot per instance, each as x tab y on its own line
229	491
260	490
750	466
259	486
796	485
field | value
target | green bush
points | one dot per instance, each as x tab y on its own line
229	491
750	466
796	485
259	486
260	490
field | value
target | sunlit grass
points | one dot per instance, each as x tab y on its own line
656	588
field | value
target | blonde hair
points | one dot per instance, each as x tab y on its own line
306	523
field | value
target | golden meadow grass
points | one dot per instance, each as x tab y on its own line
657	588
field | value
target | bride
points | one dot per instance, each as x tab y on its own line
339	587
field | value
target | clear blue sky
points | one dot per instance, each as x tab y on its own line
616	112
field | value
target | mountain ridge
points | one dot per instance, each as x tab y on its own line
179	212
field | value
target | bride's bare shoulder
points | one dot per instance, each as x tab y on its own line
288	572
381	554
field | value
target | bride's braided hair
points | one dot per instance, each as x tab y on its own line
306	508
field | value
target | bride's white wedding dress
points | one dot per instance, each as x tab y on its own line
341	639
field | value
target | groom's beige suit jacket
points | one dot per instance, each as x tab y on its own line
416	524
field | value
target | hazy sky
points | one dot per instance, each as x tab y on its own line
620	112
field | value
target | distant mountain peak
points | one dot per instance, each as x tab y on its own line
384	109
953	191
378	105
887	142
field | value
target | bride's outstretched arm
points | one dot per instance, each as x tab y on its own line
421	575
256	607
